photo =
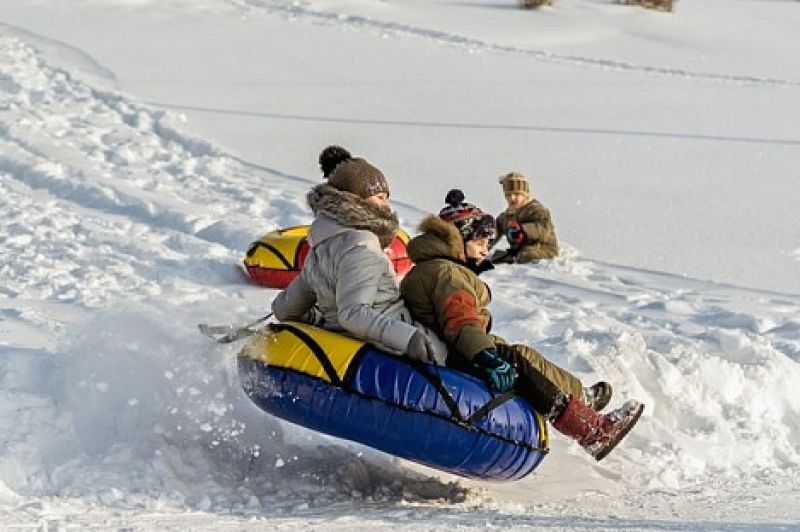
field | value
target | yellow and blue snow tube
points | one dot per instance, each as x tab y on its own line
435	416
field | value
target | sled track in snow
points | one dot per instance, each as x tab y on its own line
88	63
467	125
67	184
101	152
295	10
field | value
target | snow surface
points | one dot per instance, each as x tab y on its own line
144	144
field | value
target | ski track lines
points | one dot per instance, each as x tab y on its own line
88	64
298	10
113	179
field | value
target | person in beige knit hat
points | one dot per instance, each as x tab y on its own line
526	224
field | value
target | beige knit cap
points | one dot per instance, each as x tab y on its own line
514	182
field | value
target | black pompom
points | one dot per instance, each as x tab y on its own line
454	197
332	156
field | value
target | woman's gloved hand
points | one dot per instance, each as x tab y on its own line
421	348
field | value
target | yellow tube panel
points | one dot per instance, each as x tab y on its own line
285	241
286	350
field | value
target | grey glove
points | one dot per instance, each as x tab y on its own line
421	348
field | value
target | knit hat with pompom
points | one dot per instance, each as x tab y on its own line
471	222
351	174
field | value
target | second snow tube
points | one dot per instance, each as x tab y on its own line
435	416
276	258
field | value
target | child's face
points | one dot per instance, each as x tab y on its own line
380	200
477	249
516	200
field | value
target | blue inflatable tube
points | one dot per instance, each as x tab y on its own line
435	416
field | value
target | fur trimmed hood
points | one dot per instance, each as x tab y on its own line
351	211
439	239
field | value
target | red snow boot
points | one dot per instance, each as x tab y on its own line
597	433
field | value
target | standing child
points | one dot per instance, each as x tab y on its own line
526	224
443	292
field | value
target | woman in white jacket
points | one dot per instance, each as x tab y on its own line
347	283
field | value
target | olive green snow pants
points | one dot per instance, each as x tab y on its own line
530	364
542	383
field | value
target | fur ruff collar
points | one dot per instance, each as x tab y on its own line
349	210
450	242
443	240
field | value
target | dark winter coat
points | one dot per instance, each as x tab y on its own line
347	283
540	241
443	294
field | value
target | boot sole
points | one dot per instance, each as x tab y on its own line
620	435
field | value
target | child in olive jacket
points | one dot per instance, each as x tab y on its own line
443	292
526	224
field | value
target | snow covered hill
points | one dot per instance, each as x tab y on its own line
123	221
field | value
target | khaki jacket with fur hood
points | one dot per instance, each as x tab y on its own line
444	294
